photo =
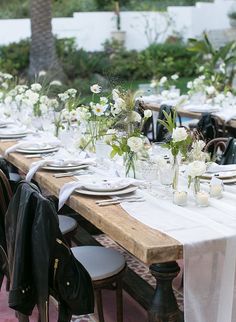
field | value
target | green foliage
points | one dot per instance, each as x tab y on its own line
115	64
167	59
14	58
218	62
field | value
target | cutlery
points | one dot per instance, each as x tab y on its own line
118	198
32	156
71	174
115	202
39	155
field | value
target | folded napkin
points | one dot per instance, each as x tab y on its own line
32	141
35	166
69	187
214	168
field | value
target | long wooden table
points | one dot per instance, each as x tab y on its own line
150	246
184	113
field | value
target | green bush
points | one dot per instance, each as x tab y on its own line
167	59
14	58
115	63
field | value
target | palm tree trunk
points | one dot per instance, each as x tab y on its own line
43	52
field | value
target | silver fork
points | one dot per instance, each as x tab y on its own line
115	202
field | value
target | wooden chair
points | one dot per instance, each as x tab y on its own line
106	268
216	147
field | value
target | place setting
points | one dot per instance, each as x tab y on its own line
10	131
119	189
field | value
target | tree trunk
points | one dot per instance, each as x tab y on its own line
43	55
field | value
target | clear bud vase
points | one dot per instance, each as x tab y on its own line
175	169
196	185
129	164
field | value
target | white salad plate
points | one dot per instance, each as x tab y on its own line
126	190
36	151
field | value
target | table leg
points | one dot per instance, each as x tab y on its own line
164	307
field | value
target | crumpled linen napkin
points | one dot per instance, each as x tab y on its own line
69	187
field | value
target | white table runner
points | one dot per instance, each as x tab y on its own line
209	238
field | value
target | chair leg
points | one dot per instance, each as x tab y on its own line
21	317
119	301
98	295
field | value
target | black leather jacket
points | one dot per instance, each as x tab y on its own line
33	235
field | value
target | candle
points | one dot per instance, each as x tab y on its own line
216	190
180	198
202	199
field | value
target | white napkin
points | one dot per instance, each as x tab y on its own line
69	187
214	168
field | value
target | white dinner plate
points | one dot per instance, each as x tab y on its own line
225	181
103	185
13	136
34	151
65	168
220	175
129	189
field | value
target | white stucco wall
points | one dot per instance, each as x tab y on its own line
91	29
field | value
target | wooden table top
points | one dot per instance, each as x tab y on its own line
184	113
148	245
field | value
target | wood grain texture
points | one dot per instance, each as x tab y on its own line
149	245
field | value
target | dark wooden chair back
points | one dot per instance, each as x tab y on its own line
216	147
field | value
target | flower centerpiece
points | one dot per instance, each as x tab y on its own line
178	143
127	140
95	118
195	170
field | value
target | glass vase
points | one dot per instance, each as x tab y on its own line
130	159
196	185
175	168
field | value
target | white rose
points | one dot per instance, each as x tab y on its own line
36	87
5	85
179	134
96	88
163	80
196	169
135	117
210	90
175	77
147	114
190	85
202	77
135	144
